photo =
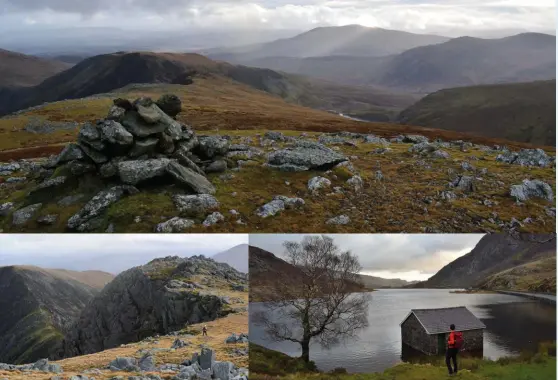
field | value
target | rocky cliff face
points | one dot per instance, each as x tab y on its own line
36	308
493	254
157	298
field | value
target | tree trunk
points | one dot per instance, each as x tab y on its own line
305	350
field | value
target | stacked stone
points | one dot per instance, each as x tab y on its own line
141	141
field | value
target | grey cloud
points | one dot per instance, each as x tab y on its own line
387	252
110	253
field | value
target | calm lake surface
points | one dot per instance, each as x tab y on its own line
513	324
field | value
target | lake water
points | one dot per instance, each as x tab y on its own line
514	324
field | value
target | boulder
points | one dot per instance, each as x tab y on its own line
532	189
189	179
24	215
307	155
213	219
95	156
465	183
6	208
69	153
526	157
138	127
206	358
99	203
195	204
278	204
174	225
170	104
212	146
114	133
317	183
339	220
222	370
134	172
124	364
218	166
356	183
147	362
143	146
116	113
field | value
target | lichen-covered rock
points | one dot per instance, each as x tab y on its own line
136	125
213	219
136	171
274	135
532	189
212	146
206	358
339	220
218	166
124	364
6	208
195	204
189	179
143	146
99	203
278	204
306	154
174	225
24	215
114	133
440	154
147	362
316	183
526	157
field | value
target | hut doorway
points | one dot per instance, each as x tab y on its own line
441	344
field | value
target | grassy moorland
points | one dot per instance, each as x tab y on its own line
406	199
266	364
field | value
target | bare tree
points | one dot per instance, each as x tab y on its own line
318	302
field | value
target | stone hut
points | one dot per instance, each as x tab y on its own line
427	330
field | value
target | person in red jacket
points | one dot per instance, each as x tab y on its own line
451	352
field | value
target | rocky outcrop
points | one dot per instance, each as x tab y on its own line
156	298
305	155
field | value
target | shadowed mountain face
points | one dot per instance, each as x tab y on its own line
463	61
38	305
104	73
524	112
349	40
494	253
157	298
24	70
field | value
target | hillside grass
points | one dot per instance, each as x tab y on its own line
541	365
212	103
218	331
406	200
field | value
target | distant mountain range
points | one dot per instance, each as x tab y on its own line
430	66
489	264
349	40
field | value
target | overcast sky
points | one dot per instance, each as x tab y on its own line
409	257
422	16
107	252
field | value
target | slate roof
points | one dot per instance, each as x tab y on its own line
438	321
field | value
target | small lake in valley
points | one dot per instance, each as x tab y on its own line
513	324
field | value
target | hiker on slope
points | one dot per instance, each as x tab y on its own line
204	330
455	341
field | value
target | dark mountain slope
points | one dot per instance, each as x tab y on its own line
36	307
351	40
104	73
24	70
493	254
463	61
157	298
266	269
524	112
468	61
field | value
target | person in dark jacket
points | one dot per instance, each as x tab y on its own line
204	330
451	352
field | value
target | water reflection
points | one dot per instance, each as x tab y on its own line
514	324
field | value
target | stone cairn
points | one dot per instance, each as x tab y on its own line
138	143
